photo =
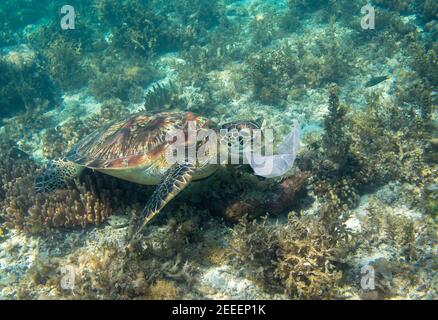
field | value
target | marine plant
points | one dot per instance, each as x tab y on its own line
381	143
411	242
395	139
398	5
11	19
114	79
65	63
297	257
64	51
428	10
271	70
206	14
336	142
306	5
233	193
264	28
419	85
136	26
274	71
24	85
164	97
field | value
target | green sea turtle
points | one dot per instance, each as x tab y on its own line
136	149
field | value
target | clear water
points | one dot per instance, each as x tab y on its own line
349	87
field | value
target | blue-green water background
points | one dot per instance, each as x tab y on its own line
226	60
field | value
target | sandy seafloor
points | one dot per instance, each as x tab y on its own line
20	253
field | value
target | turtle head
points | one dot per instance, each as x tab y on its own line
236	136
246	124
57	173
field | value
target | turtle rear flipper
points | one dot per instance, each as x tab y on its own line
58	172
174	181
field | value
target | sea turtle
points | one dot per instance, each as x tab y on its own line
136	149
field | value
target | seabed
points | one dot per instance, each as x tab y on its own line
356	218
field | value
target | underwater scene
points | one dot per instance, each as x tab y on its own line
343	93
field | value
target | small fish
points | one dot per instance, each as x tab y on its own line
375	81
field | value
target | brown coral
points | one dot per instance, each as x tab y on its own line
282	197
72	207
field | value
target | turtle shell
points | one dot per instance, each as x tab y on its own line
136	141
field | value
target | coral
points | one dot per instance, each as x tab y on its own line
181	230
269	71
67	53
416	92
22	209
399	5
12	166
58	141
48	32
164	97
24	85
424	61
291	19
411	242
297	257
14	19
162	290
264	29
389	142
310	256
417	88
115	80
136	26
103	273
333	164
215	254
383	225
383	279
365	190
88	201
273	71
308	266
53	144
65	63
277	199
430	199
256	246
233	193
204	14
336	142
428	10
381	143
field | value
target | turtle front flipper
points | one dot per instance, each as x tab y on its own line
58	172
175	180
